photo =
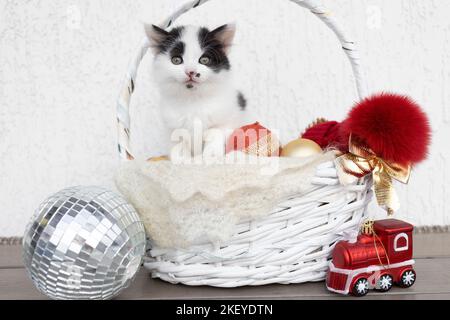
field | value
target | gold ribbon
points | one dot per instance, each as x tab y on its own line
361	160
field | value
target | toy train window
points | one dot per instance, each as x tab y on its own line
401	242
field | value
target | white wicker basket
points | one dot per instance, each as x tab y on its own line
290	245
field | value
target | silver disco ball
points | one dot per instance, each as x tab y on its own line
83	243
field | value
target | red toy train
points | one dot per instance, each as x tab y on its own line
374	261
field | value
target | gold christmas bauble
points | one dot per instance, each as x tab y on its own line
301	148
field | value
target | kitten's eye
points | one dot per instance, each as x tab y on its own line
205	60
177	60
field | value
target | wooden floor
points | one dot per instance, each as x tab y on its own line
431	252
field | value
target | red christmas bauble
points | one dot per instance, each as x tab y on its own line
254	139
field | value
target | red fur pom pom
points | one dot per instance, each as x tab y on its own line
393	126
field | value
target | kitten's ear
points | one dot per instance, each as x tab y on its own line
155	36
225	34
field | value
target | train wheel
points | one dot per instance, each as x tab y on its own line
385	283
361	287
408	278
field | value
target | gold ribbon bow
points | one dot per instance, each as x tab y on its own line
361	160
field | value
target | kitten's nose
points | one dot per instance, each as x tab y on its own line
192	74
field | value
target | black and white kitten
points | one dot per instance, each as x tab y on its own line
193	73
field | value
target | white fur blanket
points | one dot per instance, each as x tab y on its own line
183	205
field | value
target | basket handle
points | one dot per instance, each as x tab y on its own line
315	6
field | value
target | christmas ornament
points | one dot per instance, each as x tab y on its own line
254	139
83	243
383	135
379	258
300	148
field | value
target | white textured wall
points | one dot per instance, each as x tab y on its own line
61	63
